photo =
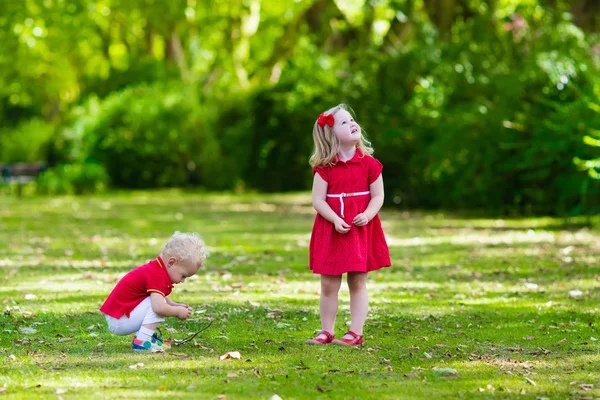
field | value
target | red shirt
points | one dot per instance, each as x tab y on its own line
136	286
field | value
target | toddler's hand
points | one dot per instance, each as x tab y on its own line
360	220
184	312
341	226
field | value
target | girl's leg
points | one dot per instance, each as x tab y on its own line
330	286
359	301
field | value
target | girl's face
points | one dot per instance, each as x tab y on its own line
345	128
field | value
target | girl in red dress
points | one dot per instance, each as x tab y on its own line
347	236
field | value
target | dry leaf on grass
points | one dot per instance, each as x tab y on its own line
531	382
446	372
231	354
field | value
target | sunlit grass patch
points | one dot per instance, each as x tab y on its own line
500	302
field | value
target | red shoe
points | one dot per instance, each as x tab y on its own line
356	340
326	340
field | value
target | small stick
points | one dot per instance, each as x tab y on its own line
187	339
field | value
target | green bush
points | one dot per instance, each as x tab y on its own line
73	179
146	136
487	121
27	142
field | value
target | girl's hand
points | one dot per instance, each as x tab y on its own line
341	226
184	312
360	219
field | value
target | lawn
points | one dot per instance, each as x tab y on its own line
472	308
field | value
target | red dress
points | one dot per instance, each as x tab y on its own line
363	248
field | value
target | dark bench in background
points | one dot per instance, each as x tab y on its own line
21	173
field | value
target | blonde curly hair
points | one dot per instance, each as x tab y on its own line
185	246
327	144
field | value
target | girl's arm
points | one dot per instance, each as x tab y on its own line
377	197
319	196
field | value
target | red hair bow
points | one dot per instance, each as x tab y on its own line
325	119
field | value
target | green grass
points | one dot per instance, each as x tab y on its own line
488	298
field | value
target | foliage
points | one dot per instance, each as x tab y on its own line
73	179
27	142
469	103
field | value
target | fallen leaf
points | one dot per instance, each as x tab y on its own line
30	296
411	375
27	331
61	391
568	250
282	325
481	389
531	382
232	375
586	387
427	355
231	354
221	396
12	357
528	338
490	388
275	397
530	285
445	371
575	294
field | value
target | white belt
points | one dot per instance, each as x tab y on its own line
342	195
